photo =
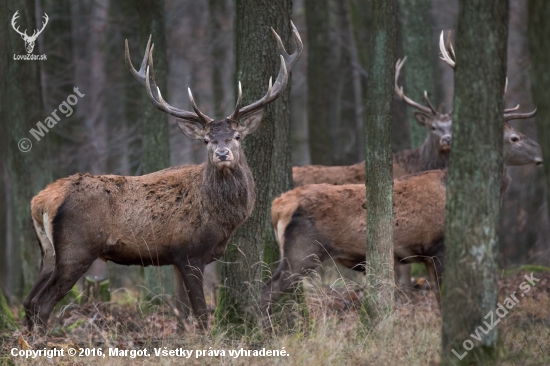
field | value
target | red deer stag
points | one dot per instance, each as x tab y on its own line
182	216
432	154
318	222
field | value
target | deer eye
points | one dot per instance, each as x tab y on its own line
205	141
433	128
514	138
238	137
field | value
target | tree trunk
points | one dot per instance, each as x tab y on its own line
319	81
378	301
256	61
539	33
216	12
472	228
154	124
22	103
418	46
349	123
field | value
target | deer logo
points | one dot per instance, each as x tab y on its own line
29	41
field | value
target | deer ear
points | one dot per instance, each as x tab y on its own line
191	129
250	123
422	119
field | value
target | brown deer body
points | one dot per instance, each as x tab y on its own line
432	154
181	216
318	222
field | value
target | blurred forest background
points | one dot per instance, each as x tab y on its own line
109	131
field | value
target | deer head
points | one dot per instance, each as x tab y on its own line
518	149
438	123
29	40
221	137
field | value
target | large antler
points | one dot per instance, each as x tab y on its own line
273	91
24	34
448	55
36	33
146	77
399	91
13	19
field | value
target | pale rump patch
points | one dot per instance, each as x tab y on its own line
47	227
280	235
48	259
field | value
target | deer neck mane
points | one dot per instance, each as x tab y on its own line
228	193
430	156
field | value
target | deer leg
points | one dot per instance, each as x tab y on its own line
292	268
70	266
192	275
180	294
434	267
46	269
402	273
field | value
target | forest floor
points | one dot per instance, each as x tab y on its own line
334	336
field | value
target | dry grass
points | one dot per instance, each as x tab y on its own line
335	337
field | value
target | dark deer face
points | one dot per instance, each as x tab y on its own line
440	128
222	138
519	149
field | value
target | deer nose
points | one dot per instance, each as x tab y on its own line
446	140
222	154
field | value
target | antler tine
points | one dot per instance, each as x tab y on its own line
36	33
508	110
160	103
434	111
444	54
13	25
399	90
235	113
274	90
138	75
201	115
450	46
509	117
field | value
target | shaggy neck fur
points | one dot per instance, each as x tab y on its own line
228	193
430	156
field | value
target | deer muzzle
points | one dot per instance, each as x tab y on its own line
445	142
223	156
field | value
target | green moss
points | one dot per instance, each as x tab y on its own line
526	268
76	324
6	317
418	270
73	296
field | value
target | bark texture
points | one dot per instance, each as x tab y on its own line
539	34
257	60
378	301
23	108
154	124
418	46
472	229
319	81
